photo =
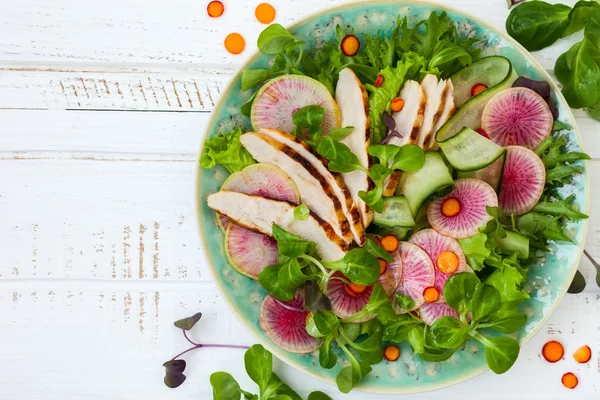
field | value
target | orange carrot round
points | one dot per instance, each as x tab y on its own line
450	207
583	354
478	88
431	295
265	13
378	81
235	43
569	380
391	353
354	289
389	243
397	104
553	351
447	262
350	45
215	9
382	266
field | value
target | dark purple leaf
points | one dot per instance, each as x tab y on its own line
540	87
512	3
174	376
578	284
314	299
391	125
189	322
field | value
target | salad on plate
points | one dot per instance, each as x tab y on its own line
392	188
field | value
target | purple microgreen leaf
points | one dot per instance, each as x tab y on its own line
540	87
314	299
189	322
390	122
595	264
174	376
512	3
578	284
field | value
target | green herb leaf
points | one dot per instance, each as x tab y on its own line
341	158
358	265
449	332
410	158
509	323
486	301
340	133
372	247
537	24
378	303
559	208
290	275
253	77
580	15
476	250
500	353
406	303
225	387
327	358
384	152
269	280
373	198
189	322
259	365
277	386
397	330
226	150
301	212
326	322
350	376
509	283
542	227
275	39
459	291
318	396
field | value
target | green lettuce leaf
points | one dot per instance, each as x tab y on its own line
226	150
509	282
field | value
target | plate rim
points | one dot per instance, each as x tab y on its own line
282	354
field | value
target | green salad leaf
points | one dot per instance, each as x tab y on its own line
226	149
537	24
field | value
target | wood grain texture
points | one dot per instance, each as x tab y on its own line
102	109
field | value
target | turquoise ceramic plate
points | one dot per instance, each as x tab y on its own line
547	283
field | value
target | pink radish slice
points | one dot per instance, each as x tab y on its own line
280	98
286	326
517	116
430	312
435	244
249	252
417	274
393	272
264	180
473	196
343	304
523	181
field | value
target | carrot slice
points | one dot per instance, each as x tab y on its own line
583	354
450	207
215	9
391	353
447	262
265	13
569	380
354	289
397	104
378	81
390	243
477	88
553	351
235	43
350	45
382	266
431	295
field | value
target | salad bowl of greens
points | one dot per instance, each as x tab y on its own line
392	196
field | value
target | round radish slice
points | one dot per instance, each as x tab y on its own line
430	312
249	252
434	245
264	180
390	278
461	213
285	324
523	181
417	274
345	302
517	116
280	98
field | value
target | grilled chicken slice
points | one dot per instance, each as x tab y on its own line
353	101
435	93
408	123
334	180
447	112
259	214
315	191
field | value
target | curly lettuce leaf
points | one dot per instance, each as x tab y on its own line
226	150
509	282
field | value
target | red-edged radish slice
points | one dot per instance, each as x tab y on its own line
430	312
285	324
344	303
393	272
280	98
434	244
461	213
523	181
417	274
249	252
517	116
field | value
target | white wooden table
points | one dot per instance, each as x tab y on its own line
102	107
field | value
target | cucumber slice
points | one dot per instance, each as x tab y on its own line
488	71
469	114
470	151
396	213
513	243
419	186
492	174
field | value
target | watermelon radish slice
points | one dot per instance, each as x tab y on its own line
391	276
435	244
517	116
279	99
523	181
461	213
430	312
344	304
264	180
285	324
417	274
249	252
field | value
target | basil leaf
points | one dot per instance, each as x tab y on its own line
486	301
581	14
275	39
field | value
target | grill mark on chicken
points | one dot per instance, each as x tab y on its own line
429	139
